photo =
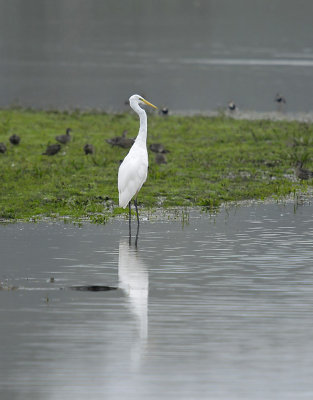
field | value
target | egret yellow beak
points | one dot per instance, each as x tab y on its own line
148	104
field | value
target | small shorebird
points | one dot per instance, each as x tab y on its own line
302	173
231	106
15	139
158	148
52	149
280	99
89	149
121	141
3	148
164	111
160	158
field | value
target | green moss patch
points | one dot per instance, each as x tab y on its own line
210	161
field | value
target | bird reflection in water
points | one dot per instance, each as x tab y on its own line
130	234
134	281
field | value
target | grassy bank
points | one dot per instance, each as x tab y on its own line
211	160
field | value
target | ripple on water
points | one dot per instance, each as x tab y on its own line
208	307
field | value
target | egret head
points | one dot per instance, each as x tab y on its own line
135	100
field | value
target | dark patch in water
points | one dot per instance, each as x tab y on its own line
93	288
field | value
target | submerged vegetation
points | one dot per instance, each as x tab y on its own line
211	160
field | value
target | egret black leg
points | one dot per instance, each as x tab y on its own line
135	202
130	234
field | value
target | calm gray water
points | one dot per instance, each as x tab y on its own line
218	308
189	55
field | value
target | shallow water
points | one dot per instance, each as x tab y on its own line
186	55
219	307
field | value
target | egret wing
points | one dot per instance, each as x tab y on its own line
131	176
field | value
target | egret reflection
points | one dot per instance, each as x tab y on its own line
134	280
130	234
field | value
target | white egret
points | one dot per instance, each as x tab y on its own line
134	169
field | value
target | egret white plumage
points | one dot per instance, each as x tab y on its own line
134	169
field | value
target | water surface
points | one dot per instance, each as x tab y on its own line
219	307
187	55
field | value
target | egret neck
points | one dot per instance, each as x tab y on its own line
142	134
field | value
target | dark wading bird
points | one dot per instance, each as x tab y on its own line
133	170
52	149
231	106
280	100
164	111
121	141
302	173
64	139
89	149
160	158
15	139
158	148
115	140
3	148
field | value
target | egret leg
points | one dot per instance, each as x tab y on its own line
135	202
130	234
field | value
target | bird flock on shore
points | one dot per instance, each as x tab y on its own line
123	141
279	99
119	141
134	168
